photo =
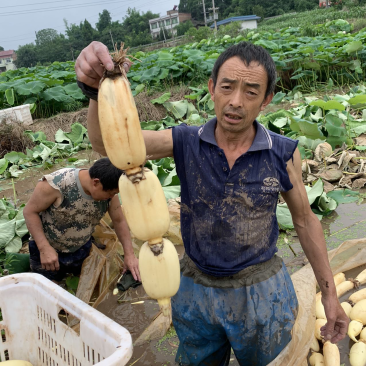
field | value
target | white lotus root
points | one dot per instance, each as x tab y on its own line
322	151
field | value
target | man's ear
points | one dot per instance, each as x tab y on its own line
96	182
266	101
211	89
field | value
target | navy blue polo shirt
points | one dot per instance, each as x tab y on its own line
228	216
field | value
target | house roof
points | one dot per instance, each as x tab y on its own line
7	53
163	17
235	19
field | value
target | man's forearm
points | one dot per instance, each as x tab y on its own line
35	227
124	236
94	133
312	241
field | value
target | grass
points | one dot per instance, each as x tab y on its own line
317	16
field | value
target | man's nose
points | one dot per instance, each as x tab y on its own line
236	99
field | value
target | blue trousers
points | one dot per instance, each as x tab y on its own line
255	321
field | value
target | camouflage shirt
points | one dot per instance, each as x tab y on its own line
70	225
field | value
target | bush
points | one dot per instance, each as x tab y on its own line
233	29
359	24
201	33
182	28
259	11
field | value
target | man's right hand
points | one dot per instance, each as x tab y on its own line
91	62
49	259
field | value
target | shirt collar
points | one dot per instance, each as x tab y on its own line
262	139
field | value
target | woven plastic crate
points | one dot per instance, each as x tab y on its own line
20	113
31	329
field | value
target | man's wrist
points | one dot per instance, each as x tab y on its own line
88	91
43	245
129	253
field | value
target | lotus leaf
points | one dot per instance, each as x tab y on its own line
3	166
9	95
77	133
334	125
344	195
330	104
162	99
56	93
74	91
178	109
277	99
139	88
354	46
34	87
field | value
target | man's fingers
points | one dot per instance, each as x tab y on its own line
102	53
138	275
57	266
93	82
133	272
329	330
95	64
127	65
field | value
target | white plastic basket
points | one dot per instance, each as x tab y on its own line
32	331
20	113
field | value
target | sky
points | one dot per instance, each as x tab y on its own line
20	19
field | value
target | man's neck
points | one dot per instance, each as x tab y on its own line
231	141
85	180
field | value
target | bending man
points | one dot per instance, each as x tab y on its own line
62	213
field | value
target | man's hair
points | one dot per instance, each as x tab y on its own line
107	174
248	53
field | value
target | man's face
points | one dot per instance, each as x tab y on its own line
99	194
239	94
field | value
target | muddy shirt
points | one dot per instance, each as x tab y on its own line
228	217
70	225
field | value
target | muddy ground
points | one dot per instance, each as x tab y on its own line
348	221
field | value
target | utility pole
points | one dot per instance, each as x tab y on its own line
164	33
113	45
327	3
204	12
171	26
214	14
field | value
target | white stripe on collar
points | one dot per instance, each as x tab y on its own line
269	139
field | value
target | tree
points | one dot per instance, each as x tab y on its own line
135	27
26	56
87	32
105	21
259	11
1	48
58	49
246	7
182	28
200	33
45	36
79	36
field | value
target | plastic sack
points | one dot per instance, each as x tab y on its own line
349	255
101	270
102	267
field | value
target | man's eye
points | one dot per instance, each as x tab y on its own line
226	87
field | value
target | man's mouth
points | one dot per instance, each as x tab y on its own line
233	116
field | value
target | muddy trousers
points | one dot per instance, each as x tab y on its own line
254	320
69	262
